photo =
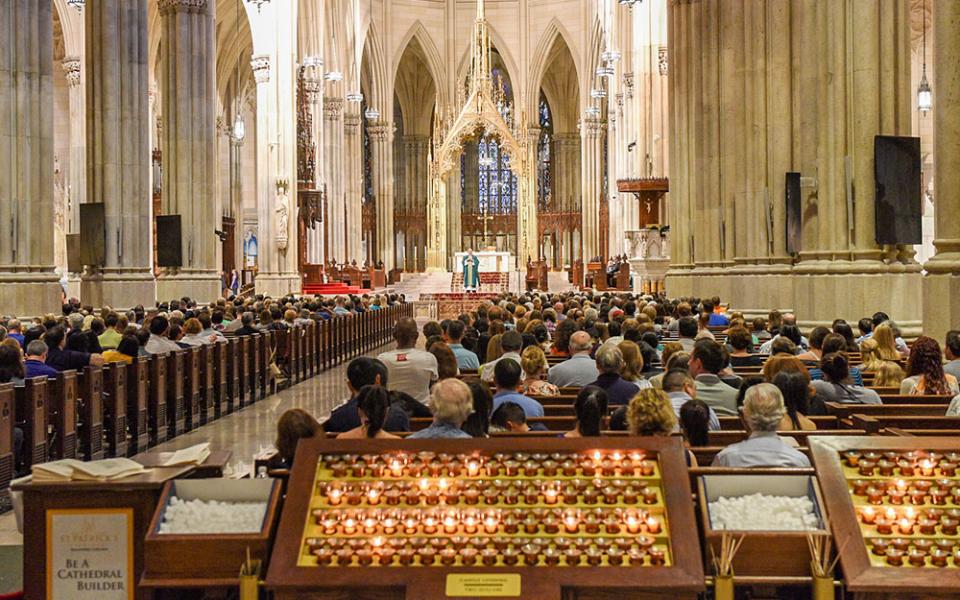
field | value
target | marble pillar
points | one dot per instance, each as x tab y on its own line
941	285
333	143
188	142
28	284
591	134
353	184
72	68
313	88
381	148
118	147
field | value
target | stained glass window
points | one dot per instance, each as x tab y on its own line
544	180
497	184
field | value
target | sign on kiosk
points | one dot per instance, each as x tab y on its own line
90	554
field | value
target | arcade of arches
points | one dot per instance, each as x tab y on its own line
286	135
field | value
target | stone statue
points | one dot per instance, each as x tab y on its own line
282	216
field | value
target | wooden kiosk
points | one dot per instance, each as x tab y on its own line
915	554
496	517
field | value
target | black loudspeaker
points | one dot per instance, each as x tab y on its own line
898	203
169	244
93	234
794	217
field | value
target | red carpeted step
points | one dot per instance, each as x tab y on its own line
332	289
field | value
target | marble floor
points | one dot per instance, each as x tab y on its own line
247	431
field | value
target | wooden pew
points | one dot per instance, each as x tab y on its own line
253	373
62	415
905	399
874	425
7	424
138	396
30	415
822	422
293	353
264	358
115	408
208	398
227	380
244	344
725	438
844	411
191	389
90	402
157	401
176	412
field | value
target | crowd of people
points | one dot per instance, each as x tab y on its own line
645	364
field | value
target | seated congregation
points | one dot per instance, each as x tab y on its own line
741	393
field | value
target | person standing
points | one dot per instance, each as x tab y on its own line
234	282
471	272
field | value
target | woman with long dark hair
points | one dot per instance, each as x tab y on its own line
925	373
373	401
478	423
796	399
590	408
695	423
835	386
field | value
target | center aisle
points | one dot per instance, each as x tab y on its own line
254	427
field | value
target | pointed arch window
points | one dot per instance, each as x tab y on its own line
496	182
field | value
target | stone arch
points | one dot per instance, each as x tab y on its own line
431	57
554	32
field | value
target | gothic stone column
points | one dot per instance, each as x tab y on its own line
118	145
353	196
188	61
941	286
381	147
333	163
28	284
590	134
78	156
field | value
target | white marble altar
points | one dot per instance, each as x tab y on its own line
490	262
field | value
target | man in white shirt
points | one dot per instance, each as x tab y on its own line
510	343
578	370
409	370
159	343
762	410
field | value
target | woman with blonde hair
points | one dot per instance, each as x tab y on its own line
870	351
534	364
650	413
886	343
889	374
632	364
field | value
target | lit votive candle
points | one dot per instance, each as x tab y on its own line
349	525
471	495
572	556
884	526
511	496
894	557
511	524
938	496
630	495
531	554
334	496
473	468
657	556
879	546
926	467
866	467
427	555
510	556
956	556
569	468
551	524
646	468
448	556
611	525
550	468
430	525
614	556
868	515
590	496
592	523
948	526
571	522
917	558
512	468
339	469
938	557
852	457
874	495
491	523
918	496
373	496
489	556
329	525
653	525
551	556
650	496
364	557
633	524
345	557
927	526
636	556
906	468
531	524
885	467
450	524
324	555
550	495
468	556
895	495
905	527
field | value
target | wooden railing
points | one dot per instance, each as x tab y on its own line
121	410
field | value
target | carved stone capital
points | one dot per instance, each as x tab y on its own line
174	6
312	86
591	126
380	131
663	60
332	108
261	68
71	66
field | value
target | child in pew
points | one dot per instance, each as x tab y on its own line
510	417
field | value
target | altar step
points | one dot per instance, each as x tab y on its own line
494	283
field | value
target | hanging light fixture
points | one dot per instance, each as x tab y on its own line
630	3
598	93
77	4
333	76
924	93
354	97
605	71
610	56
592	111
371	114
259	3
238	131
